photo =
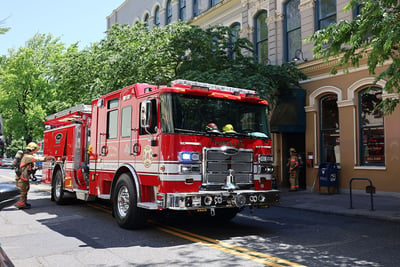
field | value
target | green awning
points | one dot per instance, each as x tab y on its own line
289	115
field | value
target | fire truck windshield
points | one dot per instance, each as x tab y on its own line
192	114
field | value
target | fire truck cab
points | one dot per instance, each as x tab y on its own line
189	146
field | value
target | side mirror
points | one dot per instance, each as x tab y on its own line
145	114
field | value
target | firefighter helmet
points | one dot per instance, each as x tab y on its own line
212	127
32	146
228	129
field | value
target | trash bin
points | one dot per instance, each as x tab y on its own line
328	176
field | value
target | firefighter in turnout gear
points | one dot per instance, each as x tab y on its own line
293	164
27	164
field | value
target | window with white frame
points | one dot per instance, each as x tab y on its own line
325	13
371	125
261	37
292	29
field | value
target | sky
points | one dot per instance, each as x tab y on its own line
72	21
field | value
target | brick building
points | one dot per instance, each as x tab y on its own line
331	117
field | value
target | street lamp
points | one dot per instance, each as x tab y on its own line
298	55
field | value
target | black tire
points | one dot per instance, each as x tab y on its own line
57	189
125	209
225	214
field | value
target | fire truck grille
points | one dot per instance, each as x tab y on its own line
219	161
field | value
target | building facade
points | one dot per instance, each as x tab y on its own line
340	122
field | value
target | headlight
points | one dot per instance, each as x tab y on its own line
187	157
266	169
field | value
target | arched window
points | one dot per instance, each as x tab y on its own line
292	29
182	10
168	13
261	37
233	38
329	129
196	10
325	13
372	133
146	20
157	16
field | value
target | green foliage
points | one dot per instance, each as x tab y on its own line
374	34
16	144
3	30
26	91
135	54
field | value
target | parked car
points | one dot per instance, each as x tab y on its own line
39	164
9	195
7	163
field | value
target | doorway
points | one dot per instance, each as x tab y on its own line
297	141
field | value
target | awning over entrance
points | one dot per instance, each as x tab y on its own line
289	115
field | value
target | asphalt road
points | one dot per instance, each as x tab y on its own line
85	234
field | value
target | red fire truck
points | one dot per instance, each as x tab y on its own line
190	146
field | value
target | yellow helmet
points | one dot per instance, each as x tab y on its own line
228	129
32	146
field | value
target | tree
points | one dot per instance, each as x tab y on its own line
27	94
374	34
179	50
3	30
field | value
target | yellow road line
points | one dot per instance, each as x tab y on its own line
222	248
229	248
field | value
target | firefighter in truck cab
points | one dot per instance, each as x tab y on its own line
150	148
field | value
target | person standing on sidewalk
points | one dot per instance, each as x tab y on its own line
293	164
27	164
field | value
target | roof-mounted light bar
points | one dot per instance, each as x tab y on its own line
232	90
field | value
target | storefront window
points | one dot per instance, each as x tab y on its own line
372	134
329	127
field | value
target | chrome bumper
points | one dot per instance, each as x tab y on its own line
217	199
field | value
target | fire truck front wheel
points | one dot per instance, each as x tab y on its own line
57	189
125	209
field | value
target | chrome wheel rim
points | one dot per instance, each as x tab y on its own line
123	201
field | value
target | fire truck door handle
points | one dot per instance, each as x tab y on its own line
104	150
135	149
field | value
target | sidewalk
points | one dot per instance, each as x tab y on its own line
385	207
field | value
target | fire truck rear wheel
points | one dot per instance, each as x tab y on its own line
125	209
57	189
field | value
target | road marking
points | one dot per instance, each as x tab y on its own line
213	243
226	247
